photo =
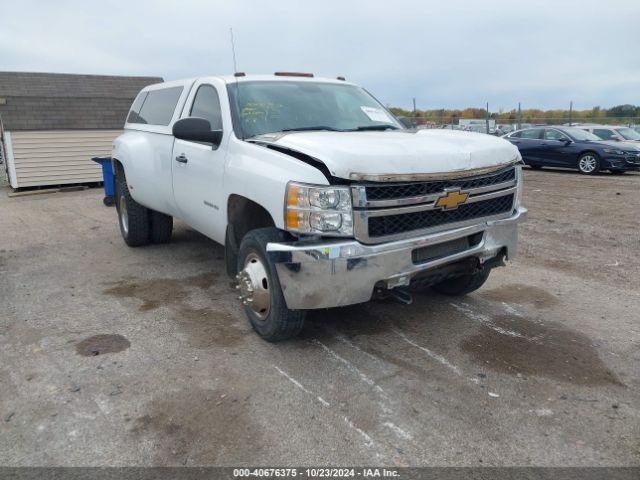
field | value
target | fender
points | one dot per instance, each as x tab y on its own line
261	175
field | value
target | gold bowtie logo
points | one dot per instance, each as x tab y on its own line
452	200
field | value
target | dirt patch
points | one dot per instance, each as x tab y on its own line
352	321
521	294
546	350
206	327
160	291
101	344
202	427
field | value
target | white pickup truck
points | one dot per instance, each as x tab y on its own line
319	195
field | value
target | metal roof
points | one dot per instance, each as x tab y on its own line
54	101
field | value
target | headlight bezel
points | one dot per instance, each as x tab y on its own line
307	206
519	186
614	151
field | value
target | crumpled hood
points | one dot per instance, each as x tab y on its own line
397	154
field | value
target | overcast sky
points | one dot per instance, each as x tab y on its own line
447	53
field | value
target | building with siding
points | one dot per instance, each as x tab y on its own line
52	124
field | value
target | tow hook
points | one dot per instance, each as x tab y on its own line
401	295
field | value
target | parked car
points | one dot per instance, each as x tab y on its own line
503	129
319	196
571	147
613	133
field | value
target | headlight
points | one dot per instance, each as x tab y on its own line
614	151
318	209
519	186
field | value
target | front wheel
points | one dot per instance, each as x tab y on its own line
260	290
464	284
588	163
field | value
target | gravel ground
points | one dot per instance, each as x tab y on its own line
118	356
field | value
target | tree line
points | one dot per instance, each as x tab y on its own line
619	114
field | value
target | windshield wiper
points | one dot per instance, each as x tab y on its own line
307	129
375	128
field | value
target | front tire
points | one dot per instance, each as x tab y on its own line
462	285
260	289
132	217
588	163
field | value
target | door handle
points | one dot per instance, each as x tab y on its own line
182	158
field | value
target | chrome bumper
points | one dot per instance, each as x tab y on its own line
338	273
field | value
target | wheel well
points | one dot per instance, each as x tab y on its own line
117	166
244	215
589	151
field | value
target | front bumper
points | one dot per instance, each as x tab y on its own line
337	273
619	162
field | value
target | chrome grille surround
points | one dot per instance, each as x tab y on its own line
501	182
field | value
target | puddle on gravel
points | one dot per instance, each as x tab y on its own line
548	350
101	344
521	294
200	427
205	326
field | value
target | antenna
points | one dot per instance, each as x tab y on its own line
233	51
236	75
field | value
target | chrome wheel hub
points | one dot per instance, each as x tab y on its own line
124	216
254	285
588	163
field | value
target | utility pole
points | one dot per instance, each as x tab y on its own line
415	113
519	117
570	112
487	118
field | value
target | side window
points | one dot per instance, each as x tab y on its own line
515	135
158	106
603	133
206	104
531	133
134	113
550	134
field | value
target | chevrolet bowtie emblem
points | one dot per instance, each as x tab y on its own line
452	200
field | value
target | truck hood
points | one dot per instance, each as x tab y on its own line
398	155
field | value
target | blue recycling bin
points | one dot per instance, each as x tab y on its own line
107	177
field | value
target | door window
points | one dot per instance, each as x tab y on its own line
533	133
156	107
206	104
550	134
603	133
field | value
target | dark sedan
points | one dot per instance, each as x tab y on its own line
568	147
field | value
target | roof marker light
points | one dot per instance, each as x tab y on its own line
293	74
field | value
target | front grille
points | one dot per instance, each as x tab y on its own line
395	224
416	189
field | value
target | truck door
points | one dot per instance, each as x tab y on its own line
198	168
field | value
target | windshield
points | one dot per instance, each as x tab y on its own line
275	106
629	133
579	134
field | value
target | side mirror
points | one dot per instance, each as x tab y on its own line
196	129
566	140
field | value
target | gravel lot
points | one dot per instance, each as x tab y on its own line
540	367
